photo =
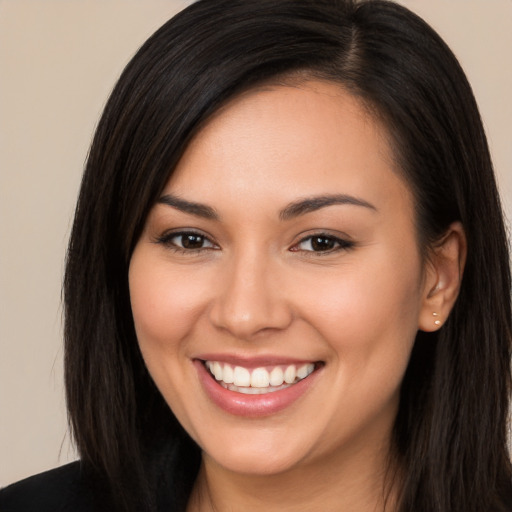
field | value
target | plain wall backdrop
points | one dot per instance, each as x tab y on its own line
58	62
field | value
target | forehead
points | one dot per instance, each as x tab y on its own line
285	140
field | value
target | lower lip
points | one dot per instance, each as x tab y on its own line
252	406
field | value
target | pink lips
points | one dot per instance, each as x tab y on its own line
250	405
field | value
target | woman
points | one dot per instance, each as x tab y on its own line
287	283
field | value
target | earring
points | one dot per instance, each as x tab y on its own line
437	322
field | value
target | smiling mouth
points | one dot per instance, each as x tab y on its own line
261	380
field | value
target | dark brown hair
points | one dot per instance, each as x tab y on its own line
450	433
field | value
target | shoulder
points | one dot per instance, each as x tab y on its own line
59	490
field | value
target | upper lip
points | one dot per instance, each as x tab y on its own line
253	361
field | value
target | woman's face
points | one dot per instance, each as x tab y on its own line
282	257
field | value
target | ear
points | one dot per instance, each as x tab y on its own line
443	275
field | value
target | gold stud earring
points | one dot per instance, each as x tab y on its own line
437	322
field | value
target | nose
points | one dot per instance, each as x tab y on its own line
251	298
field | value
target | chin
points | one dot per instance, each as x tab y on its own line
252	462
257	452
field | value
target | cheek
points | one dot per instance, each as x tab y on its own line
367	305
165	304
360	300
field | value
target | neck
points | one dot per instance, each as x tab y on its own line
354	485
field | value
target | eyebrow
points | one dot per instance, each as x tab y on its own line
311	204
294	209
197	209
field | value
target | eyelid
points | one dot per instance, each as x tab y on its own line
166	237
343	243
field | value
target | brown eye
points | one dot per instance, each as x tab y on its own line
191	241
322	243
187	241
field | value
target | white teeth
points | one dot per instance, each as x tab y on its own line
259	380
228	376
241	377
289	374
305	370
276	376
253	391
217	371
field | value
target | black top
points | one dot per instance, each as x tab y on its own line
171	469
63	489
67	489
73	488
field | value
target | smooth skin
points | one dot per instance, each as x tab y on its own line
344	284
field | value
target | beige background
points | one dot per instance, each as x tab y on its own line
58	62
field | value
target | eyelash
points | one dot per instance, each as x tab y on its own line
338	244
167	240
